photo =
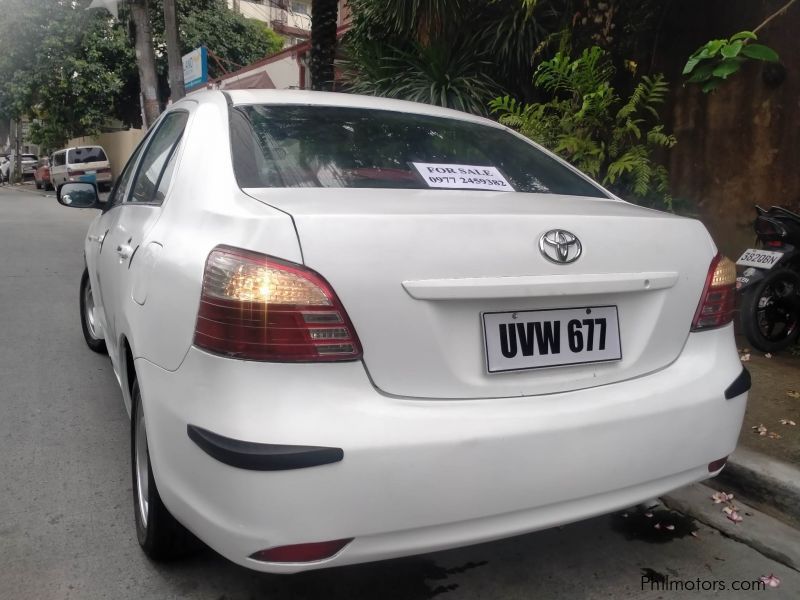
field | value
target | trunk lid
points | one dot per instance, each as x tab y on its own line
418	270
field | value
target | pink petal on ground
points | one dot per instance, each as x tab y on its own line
735	517
770	580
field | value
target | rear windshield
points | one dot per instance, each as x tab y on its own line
86	155
27	157
324	146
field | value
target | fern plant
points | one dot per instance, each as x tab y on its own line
589	124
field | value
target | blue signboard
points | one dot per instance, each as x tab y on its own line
195	68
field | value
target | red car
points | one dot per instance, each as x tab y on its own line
41	176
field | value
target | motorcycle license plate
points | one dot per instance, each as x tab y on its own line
761	259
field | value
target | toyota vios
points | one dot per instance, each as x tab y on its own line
348	329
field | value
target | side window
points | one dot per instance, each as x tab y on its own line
115	197
58	159
156	164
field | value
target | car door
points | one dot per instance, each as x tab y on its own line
131	219
99	228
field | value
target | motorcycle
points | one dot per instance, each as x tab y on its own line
770	282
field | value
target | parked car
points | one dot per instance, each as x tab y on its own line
386	328
27	164
81	163
41	175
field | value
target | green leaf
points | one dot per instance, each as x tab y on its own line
714	46
727	67
702	73
760	52
744	35
691	64
709	86
731	50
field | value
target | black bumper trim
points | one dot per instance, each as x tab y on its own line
261	457
739	386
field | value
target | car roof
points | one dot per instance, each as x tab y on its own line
313	98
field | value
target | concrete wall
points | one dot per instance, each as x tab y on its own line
118	146
740	145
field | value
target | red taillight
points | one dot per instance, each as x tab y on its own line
299	553
257	307
74	173
104	170
719	295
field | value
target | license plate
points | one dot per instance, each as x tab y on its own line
762	259
533	339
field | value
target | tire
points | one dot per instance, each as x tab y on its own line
88	323
770	311
160	535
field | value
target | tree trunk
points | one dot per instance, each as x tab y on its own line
146	61
173	52
324	14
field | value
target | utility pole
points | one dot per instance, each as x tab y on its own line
145	60
173	52
17	166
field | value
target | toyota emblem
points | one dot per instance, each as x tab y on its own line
560	246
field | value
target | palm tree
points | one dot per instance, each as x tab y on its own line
324	17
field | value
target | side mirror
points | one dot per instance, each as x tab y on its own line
78	195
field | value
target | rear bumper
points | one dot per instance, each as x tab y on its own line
423	475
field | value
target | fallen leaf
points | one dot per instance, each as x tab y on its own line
774	436
788	422
693	534
768	355
770	580
657	526
793	393
649	515
671	528
745	357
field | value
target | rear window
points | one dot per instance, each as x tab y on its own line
324	146
86	155
27	157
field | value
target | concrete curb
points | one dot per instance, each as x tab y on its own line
766	483
763	533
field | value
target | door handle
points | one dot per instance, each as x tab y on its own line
124	251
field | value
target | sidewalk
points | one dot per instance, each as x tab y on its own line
765	469
775	396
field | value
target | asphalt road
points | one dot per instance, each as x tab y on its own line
66	520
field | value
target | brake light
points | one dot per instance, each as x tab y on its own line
258	307
718	300
73	173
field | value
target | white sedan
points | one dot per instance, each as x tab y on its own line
349	329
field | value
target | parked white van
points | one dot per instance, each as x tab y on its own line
82	163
